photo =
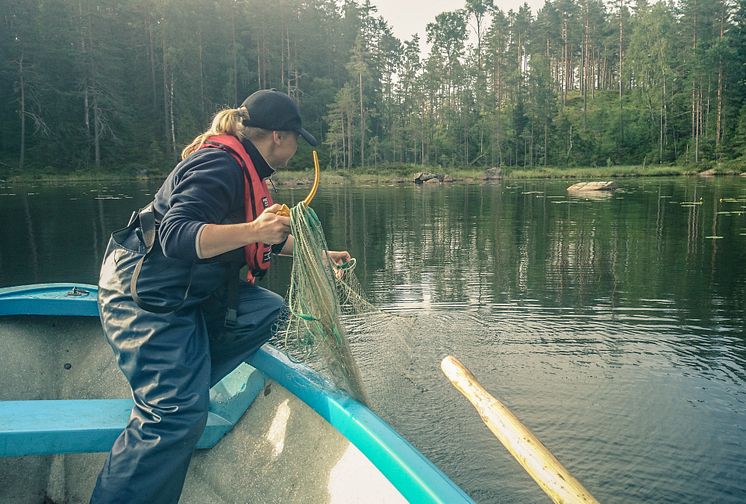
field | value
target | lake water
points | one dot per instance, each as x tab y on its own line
614	328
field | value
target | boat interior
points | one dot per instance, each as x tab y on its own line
280	450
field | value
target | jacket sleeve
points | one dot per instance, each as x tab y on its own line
207	191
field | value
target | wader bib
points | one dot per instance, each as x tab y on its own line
171	358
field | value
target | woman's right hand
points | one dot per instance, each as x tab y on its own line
271	228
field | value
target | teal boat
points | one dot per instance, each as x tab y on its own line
277	431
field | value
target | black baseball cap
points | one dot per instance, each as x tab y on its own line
271	109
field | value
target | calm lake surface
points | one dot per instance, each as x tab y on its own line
614	328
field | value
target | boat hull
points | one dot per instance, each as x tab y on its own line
299	441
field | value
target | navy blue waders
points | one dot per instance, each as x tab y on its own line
170	360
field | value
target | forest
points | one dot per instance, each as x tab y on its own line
121	86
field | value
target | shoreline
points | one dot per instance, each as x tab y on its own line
407	175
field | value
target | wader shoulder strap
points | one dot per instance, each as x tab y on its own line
147	233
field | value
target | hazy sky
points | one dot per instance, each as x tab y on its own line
408	17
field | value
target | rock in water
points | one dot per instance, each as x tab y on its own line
593	186
492	174
424	177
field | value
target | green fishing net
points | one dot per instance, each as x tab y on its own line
320	295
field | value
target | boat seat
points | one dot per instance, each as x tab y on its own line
45	427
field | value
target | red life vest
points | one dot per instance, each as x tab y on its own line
256	199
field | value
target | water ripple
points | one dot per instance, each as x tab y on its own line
594	385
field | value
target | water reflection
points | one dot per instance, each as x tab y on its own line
614	327
487	243
58	232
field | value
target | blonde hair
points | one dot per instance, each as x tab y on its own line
226	122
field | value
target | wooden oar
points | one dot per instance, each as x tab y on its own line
535	458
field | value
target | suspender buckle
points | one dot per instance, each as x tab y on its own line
231	318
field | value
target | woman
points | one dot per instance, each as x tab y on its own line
172	305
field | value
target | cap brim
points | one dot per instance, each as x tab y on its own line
308	137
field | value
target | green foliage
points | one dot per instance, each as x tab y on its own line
578	83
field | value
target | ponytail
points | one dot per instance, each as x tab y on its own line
225	122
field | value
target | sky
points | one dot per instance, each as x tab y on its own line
408	17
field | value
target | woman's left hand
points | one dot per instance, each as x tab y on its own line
338	259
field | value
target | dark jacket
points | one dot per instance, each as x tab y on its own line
205	188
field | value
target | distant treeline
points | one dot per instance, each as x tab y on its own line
124	85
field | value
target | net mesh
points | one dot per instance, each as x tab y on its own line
320	295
